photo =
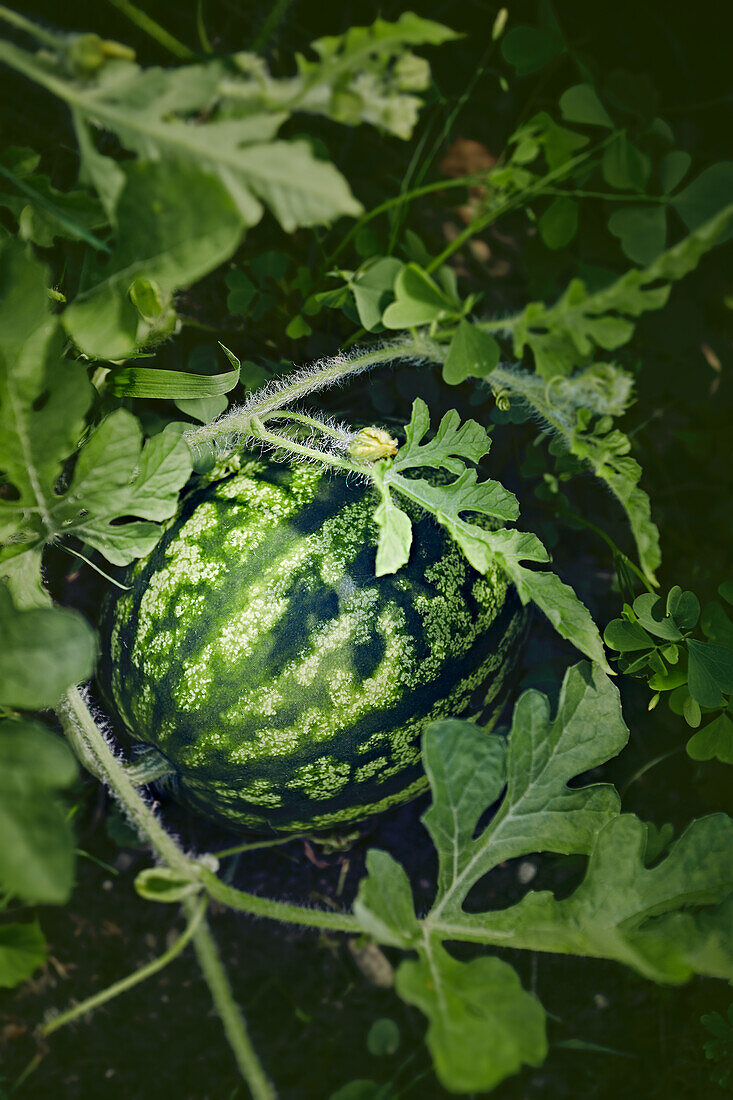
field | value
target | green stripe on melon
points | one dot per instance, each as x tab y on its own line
286	684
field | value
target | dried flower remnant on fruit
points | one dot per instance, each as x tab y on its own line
371	444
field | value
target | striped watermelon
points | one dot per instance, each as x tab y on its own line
287	685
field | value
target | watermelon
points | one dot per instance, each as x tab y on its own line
284	683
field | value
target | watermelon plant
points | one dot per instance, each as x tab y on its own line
247	604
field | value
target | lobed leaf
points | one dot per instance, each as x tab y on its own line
483	1026
636	914
44	399
566	335
448	449
173	116
460	506
174	224
539	811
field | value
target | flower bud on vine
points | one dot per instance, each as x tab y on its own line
371	444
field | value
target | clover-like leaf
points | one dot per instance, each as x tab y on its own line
472	354
418	300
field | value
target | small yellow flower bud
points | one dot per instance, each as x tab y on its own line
371	444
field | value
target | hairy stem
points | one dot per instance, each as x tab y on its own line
228	1010
274	397
276	910
140	975
284	443
91	748
309	422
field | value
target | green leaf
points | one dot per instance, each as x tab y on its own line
44	652
472	354
465	494
668	680
452	443
636	914
372	289
37	850
395	536
651	612
557	600
624	166
483	1026
709	194
174	224
626	637
383	1038
418	300
539	812
170	384
483	546
297	328
43	213
582	104
384	905
710	672
559	143
114	478
713	740
642	231
673	169
242	292
171	116
726	591
684	607
529	49
558	224
204	409
716	625
22	950
466	769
